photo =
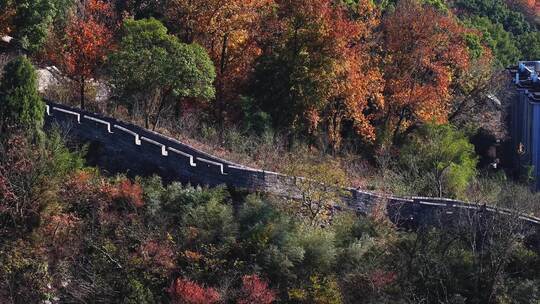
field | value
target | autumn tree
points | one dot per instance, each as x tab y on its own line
424	60
154	69
229	30
184	291
87	40
255	290
318	68
357	95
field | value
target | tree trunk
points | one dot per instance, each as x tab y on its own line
164	96
220	104
82	87
158	115
398	126
146	111
224	53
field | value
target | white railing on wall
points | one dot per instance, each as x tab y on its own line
365	197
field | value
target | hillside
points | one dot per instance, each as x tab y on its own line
402	98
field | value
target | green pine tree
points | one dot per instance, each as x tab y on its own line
21	107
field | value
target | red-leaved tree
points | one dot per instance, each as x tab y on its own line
158	256
183	291
255	290
88	38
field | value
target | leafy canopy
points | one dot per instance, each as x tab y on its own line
229	31
83	43
497	39
529	44
149	59
313	77
31	19
498	12
427	56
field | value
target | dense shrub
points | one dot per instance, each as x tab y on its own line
20	104
255	290
154	234
440	161
183	291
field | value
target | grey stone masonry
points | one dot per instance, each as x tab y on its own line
117	146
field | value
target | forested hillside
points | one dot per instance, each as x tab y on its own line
406	97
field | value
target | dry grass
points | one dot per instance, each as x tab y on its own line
268	151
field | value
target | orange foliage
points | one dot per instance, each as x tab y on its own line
129	191
87	41
80	188
90	195
192	256
323	52
100	11
229	30
355	80
183	291
359	83
426	53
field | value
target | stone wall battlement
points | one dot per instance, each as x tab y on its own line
118	146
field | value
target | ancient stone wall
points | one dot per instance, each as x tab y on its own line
117	146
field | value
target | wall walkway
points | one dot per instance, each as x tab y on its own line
117	146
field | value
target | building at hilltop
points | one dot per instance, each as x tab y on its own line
525	120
